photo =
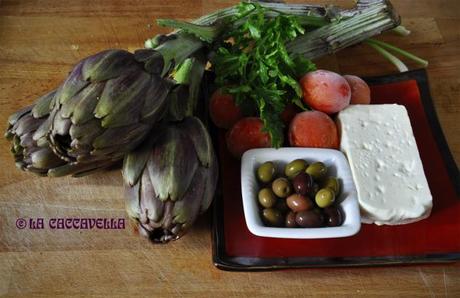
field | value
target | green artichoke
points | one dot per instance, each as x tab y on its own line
171	179
27	130
107	106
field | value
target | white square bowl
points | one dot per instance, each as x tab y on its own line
337	166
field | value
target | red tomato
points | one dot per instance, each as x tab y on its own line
223	110
247	134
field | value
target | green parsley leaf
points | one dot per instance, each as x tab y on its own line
254	66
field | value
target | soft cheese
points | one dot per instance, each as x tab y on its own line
385	163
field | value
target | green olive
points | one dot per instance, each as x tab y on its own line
282	187
267	198
332	183
325	197
296	166
266	172
317	170
272	217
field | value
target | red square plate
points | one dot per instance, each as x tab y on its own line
436	239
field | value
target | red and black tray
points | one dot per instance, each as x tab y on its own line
435	239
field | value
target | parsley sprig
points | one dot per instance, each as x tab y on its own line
254	66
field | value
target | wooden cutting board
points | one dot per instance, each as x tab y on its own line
39	43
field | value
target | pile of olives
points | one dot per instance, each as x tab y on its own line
303	196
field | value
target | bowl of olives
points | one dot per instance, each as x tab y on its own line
299	193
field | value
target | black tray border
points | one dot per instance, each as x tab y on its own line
230	263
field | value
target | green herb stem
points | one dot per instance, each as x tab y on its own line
393	59
401	30
402	52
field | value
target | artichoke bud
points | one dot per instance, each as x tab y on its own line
170	179
27	129
106	107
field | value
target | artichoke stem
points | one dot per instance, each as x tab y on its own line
175	51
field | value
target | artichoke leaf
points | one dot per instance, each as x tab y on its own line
135	161
121	136
200	137
156	96
26	125
14	118
172	164
89	97
60	125
78	169
107	65
71	86
212	178
132	201
45	159
42	106
42	130
187	209
120	92
150	205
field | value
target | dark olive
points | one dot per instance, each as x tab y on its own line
309	219
295	167
317	170
334	216
266	172
325	197
302	183
332	183
314	189
290	220
281	205
282	187
267	198
299	203
272	217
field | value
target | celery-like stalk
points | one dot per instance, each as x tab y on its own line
406	54
206	33
401	30
343	33
393	59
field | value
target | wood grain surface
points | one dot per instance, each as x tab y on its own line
40	40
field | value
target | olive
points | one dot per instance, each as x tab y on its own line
334	216
281	205
272	217
299	203
302	183
290	220
266	172
267	198
325	197
309	219
281	187
317	170
332	183
295	167
314	189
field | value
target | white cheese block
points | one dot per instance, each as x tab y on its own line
385	163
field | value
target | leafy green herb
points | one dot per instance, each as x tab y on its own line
254	65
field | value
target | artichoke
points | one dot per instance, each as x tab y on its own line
171	179
106	107
27	131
